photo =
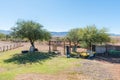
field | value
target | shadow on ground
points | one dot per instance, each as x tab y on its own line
108	58
30	57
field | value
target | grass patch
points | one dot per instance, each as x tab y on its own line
14	63
30	57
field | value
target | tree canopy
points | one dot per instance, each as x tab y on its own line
2	35
31	30
73	36
92	35
88	35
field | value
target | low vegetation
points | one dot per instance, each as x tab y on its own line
88	36
30	30
14	63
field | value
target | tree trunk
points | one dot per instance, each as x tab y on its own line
74	47
32	48
49	46
70	45
32	44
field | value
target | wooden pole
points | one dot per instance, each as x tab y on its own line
10	47
64	47
49	46
7	48
13	46
70	45
3	48
0	49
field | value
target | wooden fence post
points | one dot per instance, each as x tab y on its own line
7	48
64	47
49	46
14	46
0	49
3	48
10	47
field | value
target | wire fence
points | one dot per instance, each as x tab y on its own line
8	47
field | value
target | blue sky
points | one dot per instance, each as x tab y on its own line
62	15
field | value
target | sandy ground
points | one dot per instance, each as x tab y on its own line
90	69
115	70
2	69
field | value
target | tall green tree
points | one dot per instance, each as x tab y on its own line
2	36
88	36
75	36
31	30
92	35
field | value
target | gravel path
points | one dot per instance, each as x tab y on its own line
87	70
94	69
35	76
2	69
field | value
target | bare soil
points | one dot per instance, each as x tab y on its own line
2	70
89	70
114	69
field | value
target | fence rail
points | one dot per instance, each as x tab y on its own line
10	47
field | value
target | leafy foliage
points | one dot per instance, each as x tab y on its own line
88	36
31	30
75	35
92	35
2	35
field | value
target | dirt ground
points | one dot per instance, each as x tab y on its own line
89	70
2	69
115	70
96	69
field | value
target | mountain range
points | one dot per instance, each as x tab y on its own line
5	31
54	34
59	34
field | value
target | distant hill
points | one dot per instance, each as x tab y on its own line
62	34
54	34
112	34
59	34
5	31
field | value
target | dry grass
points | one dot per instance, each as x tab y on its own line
82	69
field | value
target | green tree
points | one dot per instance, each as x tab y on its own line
92	35
2	36
88	36
7	37
31	30
75	36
